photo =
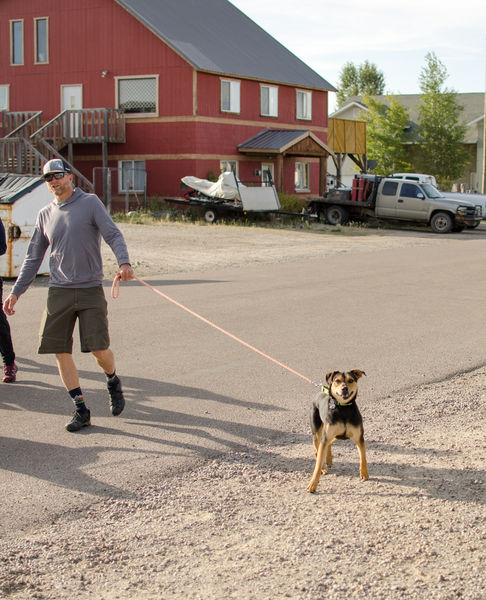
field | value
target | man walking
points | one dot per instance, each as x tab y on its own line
72	226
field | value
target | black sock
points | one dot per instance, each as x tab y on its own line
111	378
78	400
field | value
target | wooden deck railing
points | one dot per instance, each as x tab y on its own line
18	155
27	127
11	121
84	126
26	144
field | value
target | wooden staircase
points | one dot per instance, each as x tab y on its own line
26	144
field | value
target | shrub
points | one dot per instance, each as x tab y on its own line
291	202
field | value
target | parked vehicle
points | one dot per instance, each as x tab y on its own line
228	197
474	198
395	199
420	177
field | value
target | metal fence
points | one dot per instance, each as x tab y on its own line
108	183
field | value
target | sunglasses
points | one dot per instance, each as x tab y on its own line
54	176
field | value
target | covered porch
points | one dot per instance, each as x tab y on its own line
278	144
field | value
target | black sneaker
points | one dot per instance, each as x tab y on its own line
117	401
79	420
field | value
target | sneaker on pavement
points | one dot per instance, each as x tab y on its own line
10	373
117	401
80	419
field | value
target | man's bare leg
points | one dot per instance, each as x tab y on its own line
106	361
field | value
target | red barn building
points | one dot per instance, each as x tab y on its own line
149	91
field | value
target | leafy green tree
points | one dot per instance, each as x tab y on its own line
441	130
364	79
386	133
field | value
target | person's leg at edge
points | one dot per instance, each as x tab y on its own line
6	346
106	360
70	378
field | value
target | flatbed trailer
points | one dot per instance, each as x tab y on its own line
251	197
211	209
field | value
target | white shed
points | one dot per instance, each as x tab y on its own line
21	198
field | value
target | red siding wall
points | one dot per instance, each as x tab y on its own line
187	137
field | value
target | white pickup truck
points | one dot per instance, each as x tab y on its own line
395	199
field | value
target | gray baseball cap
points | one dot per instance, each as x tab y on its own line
56	165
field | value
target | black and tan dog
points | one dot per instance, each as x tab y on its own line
335	416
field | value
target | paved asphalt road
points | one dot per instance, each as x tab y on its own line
405	316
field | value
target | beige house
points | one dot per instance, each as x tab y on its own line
473	114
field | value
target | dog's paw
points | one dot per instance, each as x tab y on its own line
312	487
364	475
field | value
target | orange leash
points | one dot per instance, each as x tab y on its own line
115	291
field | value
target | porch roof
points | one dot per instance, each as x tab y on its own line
285	141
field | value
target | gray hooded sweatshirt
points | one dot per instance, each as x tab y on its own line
73	231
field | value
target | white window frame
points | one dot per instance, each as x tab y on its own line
5	88
272	110
303	105
131	77
302	176
122	189
232	164
268	167
234	89
36	41
12	42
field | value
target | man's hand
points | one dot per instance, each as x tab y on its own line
8	305
125	272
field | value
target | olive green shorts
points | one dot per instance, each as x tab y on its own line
64	307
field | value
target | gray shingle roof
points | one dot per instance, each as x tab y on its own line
214	36
473	104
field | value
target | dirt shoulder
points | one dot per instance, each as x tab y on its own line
185	247
242	526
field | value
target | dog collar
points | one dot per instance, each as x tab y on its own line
325	388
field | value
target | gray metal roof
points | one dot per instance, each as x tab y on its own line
273	139
214	36
279	140
13	187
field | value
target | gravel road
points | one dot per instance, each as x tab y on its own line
242	526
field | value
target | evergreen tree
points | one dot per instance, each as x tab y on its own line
386	134
441	131
355	81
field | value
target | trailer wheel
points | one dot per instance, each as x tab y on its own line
210	215
336	215
441	222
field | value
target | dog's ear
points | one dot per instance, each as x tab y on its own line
330	376
356	373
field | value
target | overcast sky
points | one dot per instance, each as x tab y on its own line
395	36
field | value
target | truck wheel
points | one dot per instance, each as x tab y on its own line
210	215
441	222
336	215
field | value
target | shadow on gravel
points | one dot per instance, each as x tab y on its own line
451	484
